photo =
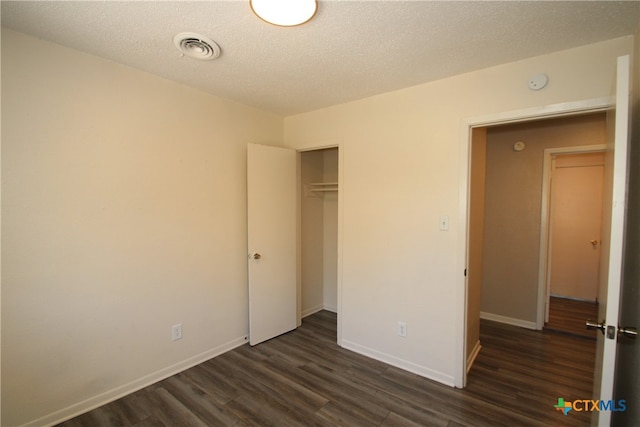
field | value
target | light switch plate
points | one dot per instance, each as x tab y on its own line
444	223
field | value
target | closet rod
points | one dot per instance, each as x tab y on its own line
322	189
320	184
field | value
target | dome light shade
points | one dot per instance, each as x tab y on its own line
285	13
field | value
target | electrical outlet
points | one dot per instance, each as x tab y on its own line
176	332
402	329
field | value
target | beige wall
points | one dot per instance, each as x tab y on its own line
401	168
123	213
512	210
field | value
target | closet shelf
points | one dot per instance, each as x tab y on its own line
321	187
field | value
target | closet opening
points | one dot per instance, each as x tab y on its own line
318	237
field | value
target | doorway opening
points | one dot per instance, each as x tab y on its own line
510	211
617	131
571	234
318	236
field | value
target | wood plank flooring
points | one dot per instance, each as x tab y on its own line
569	316
304	378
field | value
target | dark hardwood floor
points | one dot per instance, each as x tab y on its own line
569	316
304	379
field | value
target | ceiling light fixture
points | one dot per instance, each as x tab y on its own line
285	13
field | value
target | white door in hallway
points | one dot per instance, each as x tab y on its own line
271	228
576	225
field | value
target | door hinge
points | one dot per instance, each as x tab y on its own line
465	272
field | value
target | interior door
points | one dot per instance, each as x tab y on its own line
576	224
626	384
613	235
271	228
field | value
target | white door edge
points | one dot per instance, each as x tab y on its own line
620	173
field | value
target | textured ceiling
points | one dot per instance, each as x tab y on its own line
350	50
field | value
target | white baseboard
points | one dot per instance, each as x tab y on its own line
317	308
473	355
330	308
309	311
399	363
125	389
508	320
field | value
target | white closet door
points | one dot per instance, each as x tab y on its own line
271	216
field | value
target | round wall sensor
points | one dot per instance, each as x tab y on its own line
538	81
518	146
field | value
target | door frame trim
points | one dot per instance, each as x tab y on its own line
467	125
544	279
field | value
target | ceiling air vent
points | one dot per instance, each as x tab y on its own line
197	46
